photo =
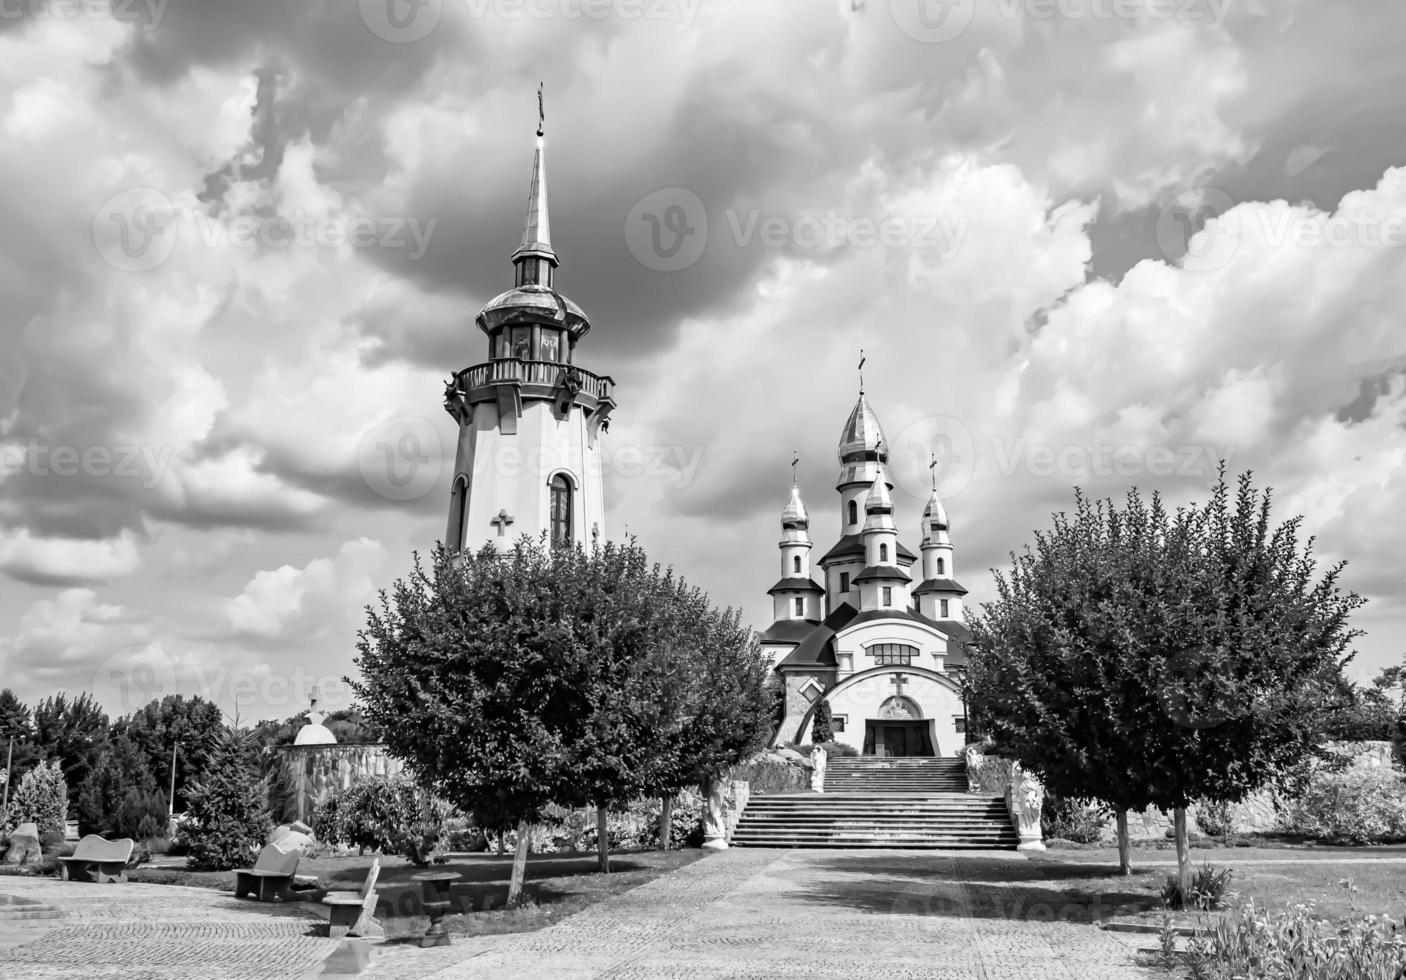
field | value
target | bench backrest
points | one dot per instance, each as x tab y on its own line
368	887
277	861
94	848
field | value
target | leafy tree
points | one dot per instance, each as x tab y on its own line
74	731
390	814
821	730
42	797
120	772
227	816
1142	658
16	734
511	681
192	726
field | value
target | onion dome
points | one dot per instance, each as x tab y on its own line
934	514
878	505
794	515
863	450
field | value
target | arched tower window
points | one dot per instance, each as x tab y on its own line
883	552
853	512
796	564
560	509
942	566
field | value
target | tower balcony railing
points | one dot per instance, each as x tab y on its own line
530	380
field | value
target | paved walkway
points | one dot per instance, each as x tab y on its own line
773	914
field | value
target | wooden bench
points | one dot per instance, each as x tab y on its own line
270	877
355	912
95	859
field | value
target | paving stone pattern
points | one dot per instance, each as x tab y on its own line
774	914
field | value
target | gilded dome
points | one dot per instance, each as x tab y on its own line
862	433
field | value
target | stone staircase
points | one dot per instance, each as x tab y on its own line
919	803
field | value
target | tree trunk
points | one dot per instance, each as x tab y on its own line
1125	850
1183	856
501	834
524	834
666	819
603	839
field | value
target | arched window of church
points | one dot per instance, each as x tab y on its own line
942	566
800	606
560	509
457	506
796	563
853	512
883	552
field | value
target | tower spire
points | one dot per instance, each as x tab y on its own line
535	258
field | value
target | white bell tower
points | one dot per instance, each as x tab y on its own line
530	420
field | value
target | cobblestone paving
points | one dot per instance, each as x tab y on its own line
772	914
775	914
153	932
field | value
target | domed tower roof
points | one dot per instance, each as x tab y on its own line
862	434
878	505
863	449
934	514
794	515
314	732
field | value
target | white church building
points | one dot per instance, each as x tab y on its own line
879	637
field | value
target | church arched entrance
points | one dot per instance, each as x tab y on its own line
900	730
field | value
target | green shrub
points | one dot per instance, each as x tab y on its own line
768	774
1296	945
1214	817
390	814
821	729
1208	885
1065	818
832	749
1360	804
42	797
226	817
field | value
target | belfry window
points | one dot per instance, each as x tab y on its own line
796	564
888	595
853	512
844	581
942	566
883	552
800	606
560	509
942	604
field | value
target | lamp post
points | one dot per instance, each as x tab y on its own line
9	757
171	810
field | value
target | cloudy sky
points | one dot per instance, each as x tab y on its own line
1082	242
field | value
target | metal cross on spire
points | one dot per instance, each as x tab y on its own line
541	112
932	469
861	370
795	459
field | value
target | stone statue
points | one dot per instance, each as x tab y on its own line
1024	798
817	769
714	819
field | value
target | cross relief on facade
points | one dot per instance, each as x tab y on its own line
502	521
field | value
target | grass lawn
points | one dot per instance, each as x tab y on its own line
557	886
1341	882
